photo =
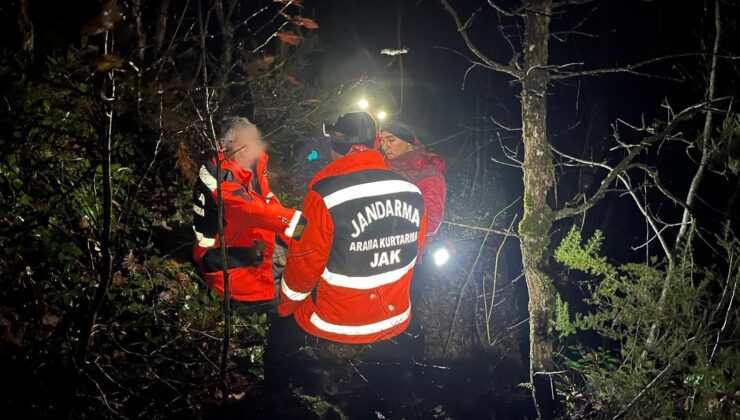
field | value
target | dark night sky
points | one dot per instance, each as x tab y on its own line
354	32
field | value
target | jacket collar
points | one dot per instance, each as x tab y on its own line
358	159
244	175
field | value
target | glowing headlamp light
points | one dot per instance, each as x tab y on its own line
363	104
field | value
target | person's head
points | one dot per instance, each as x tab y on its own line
241	140
352	128
397	139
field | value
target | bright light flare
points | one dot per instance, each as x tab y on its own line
441	256
382	115
363	104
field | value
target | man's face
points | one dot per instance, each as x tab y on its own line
393	146
247	146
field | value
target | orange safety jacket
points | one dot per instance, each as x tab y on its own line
252	216
364	228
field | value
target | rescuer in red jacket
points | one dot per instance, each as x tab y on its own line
406	156
252	215
347	279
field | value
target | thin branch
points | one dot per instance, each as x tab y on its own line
650	385
627	160
469	276
705	151
482	229
630	68
626	182
106	262
494	280
487	60
501	10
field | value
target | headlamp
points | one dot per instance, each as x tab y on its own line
363	104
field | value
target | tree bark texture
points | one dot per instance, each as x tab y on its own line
538	181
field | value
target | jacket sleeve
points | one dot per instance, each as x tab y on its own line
423	229
307	256
434	192
255	212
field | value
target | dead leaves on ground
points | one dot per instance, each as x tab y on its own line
14	329
109	62
291	79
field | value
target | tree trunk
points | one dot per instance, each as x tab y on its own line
161	29
26	26
140	34
227	36
539	179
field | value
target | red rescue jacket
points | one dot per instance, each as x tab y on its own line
427	171
364	228
252	216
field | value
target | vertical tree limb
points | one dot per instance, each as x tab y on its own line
220	209
26	27
227	287
139	27
695	181
161	28
706	134
106	262
227	37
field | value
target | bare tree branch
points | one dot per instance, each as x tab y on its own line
624	163
705	150
106	261
626	182
487	60
499	9
630	68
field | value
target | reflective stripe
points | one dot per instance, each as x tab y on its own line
360	329
207	178
204	241
200	211
292	294
369	189
368	282
290	230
